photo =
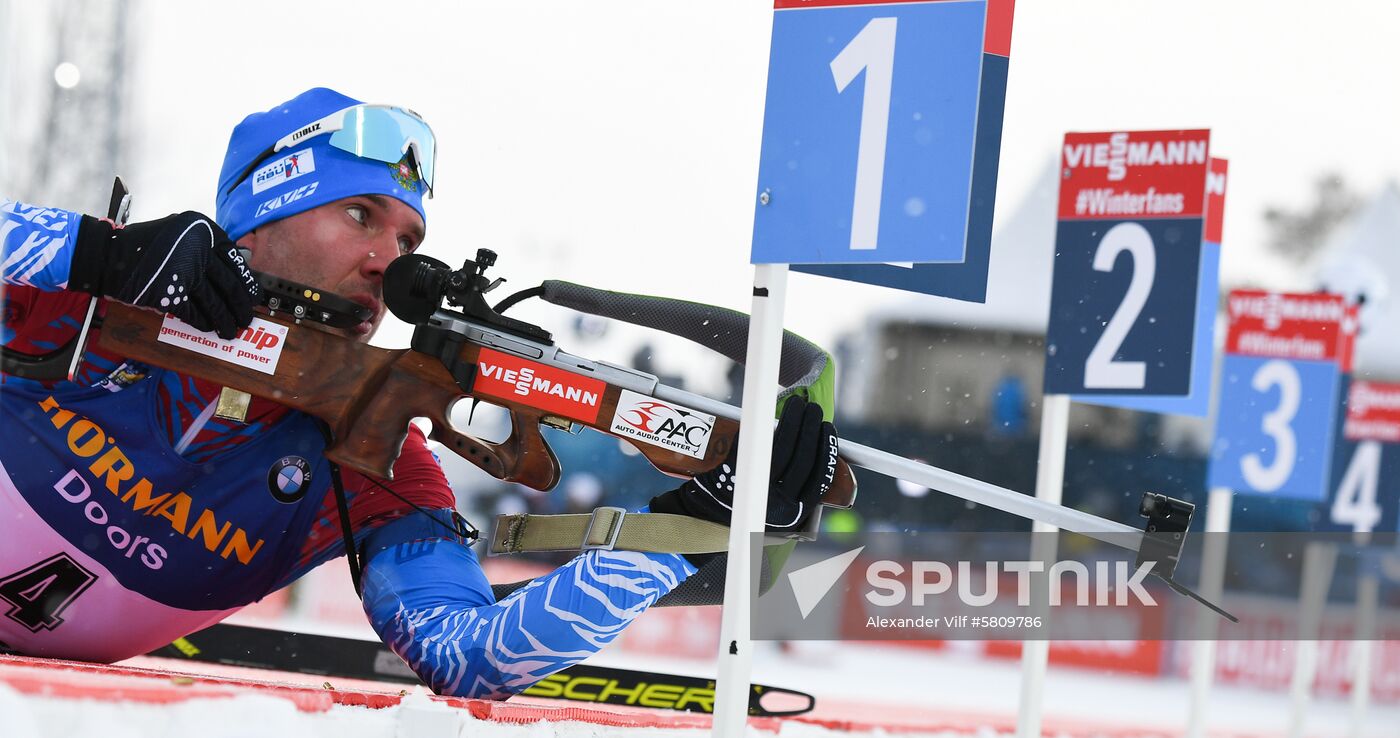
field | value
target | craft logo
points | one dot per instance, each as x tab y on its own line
283	170
259	346
667	425
286	198
539	386
288	479
235	256
1119	153
832	457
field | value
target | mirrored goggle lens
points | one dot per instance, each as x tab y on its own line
386	134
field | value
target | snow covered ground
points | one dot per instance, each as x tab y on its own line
268	717
417	714
907	691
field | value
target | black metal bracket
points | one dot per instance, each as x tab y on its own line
466	288
303	302
1167	521
1165	533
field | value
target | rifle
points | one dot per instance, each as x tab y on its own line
368	395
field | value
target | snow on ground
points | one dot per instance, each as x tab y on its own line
259	716
898	688
246	716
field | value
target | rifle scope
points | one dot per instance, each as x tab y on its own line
416	285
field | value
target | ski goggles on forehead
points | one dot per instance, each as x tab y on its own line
380	132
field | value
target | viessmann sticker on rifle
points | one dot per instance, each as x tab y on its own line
665	424
544	387
259	346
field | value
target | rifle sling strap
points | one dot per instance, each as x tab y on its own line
608	529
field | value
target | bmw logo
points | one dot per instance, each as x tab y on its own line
288	479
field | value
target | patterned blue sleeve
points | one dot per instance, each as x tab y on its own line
36	244
428	599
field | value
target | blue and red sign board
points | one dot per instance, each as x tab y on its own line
881	135
1280	388
1365	480
1197	401
1128	264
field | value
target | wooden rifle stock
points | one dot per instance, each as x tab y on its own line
369	395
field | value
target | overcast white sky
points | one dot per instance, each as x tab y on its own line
616	143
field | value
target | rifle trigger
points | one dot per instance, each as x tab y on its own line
472	411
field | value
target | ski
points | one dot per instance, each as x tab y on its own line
351	658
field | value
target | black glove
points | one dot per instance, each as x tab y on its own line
804	465
182	264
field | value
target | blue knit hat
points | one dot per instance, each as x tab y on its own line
304	175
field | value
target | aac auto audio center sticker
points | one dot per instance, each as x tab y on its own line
670	426
539	386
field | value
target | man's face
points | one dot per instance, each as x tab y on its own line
341	247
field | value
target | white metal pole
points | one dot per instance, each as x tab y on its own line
1367	597
1049	487
1318	560
1212	585
750	499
